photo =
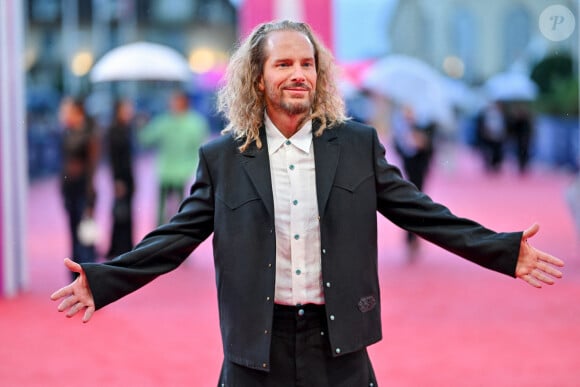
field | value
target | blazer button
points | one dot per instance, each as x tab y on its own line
337	350
264	365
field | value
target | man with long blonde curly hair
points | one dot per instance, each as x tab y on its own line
242	102
291	193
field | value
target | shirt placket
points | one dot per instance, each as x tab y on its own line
296	227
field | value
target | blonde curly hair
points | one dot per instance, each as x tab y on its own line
242	103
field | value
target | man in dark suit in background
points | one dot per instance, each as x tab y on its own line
290	193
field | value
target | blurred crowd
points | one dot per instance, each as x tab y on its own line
175	137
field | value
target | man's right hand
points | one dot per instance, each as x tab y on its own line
77	295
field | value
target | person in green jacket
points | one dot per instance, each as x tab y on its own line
177	136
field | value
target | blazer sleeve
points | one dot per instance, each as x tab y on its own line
160	251
403	204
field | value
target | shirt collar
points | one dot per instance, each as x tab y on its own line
302	139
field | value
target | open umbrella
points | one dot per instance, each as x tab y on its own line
411	82
141	61
511	86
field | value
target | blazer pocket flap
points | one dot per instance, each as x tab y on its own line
352	183
235	200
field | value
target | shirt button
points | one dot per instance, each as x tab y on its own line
337	350
288	142
291	167
295	202
298	272
296	236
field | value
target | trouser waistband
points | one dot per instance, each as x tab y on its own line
292	313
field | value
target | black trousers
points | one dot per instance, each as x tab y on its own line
300	356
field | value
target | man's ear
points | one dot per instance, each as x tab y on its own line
260	84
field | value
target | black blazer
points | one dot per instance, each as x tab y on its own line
232	198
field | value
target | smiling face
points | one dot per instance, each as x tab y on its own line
289	75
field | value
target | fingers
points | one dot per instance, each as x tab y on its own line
532	280
543	273
67	303
77	307
67	290
550	259
72	266
542	277
549	269
77	295
530	232
62	292
88	314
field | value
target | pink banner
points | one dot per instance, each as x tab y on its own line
317	13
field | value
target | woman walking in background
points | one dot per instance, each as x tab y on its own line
80	149
120	143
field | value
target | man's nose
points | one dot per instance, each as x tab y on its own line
298	74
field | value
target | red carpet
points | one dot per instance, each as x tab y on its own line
446	322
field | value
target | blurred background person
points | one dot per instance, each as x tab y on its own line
519	127
491	134
413	140
120	147
80	153
177	136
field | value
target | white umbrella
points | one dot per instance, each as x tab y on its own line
511	86
409	81
141	61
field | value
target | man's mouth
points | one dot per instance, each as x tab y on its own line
298	87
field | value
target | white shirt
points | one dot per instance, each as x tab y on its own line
298	268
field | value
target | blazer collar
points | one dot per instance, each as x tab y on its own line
257	165
326	155
256	162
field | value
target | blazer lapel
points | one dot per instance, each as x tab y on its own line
257	165
326	153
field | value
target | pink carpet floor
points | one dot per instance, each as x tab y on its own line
446	322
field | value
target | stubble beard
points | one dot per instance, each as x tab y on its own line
292	108
295	108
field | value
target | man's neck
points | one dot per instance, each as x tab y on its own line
288	125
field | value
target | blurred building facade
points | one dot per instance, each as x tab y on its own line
65	37
475	39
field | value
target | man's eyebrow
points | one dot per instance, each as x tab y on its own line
289	59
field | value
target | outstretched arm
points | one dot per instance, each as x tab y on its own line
534	266
77	295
